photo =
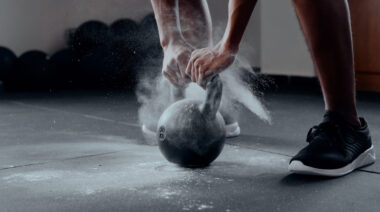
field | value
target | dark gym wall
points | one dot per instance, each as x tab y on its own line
40	24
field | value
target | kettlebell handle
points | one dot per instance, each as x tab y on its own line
214	89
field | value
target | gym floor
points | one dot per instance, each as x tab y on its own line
83	151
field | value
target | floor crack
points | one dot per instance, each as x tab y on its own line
57	160
75	113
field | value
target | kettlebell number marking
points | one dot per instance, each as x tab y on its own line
161	134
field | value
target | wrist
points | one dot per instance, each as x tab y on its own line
165	43
173	41
228	44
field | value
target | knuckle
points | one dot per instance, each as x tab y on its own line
166	71
196	63
172	63
182	57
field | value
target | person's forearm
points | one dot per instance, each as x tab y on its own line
239	13
166	13
195	22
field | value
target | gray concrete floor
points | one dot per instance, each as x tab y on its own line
82	151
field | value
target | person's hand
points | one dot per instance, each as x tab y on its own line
176	58
207	62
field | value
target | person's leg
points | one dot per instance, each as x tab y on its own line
195	22
342	142
326	25
196	29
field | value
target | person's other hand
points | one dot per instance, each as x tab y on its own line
207	62
176	58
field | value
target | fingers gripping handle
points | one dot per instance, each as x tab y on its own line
214	89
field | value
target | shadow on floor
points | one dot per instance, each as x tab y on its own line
300	180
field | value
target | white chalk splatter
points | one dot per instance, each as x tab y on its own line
204	206
198	206
167	193
33	176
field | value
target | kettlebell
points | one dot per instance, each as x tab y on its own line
191	133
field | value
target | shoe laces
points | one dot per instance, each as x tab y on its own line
332	129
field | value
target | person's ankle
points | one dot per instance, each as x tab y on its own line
354	121
351	118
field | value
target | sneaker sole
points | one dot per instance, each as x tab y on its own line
232	130
366	158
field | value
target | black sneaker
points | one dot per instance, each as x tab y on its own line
335	148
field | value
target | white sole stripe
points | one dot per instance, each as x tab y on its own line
366	158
